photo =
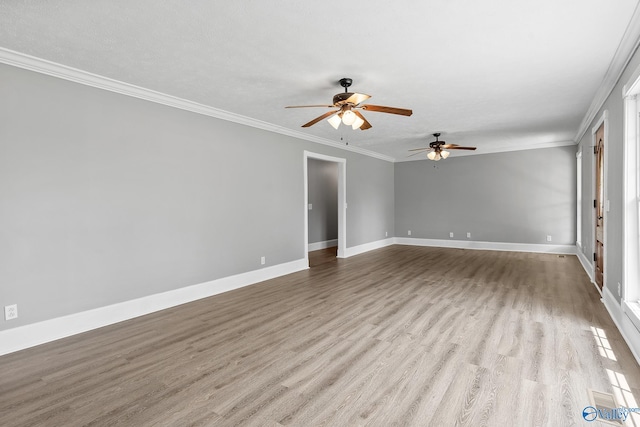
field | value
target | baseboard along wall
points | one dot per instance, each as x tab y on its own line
488	246
26	336
627	329
316	246
23	337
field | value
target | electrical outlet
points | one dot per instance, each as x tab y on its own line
11	312
310	206
263	260
468	235
409	233
451	234
386	234
548	237
619	293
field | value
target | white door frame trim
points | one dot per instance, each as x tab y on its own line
603	120
342	201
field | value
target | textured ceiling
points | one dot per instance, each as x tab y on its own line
499	74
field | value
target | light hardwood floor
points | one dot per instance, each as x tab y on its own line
398	336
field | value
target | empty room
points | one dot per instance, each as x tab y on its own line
319	214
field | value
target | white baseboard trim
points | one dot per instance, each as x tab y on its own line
360	249
323	245
22	337
587	265
588	268
490	246
627	329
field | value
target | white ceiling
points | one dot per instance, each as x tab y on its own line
499	74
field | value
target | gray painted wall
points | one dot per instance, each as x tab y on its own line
105	198
369	208
516	197
323	197
613	183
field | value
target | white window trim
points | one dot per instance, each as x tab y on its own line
631	201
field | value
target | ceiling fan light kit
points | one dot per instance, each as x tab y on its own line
347	105
348	117
357	123
335	121
438	149
438	155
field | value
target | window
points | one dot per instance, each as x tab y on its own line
631	200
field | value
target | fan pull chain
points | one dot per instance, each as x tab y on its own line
343	139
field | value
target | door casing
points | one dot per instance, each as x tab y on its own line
603	122
342	201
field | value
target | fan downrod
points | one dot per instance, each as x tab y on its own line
436	144
345	83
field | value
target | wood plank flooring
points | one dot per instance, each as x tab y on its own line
322	256
401	336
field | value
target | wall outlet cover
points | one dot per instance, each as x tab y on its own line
11	312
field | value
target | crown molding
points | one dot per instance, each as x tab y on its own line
624	53
491	150
43	66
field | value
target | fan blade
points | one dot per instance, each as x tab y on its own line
390	110
419	152
317	119
307	106
357	98
448	145
423	148
461	148
366	125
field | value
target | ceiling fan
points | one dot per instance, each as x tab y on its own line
348	104
438	149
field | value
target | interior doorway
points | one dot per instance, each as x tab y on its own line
599	206
330	242
322	207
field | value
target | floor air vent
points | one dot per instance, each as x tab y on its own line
607	409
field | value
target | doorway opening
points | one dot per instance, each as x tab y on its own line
324	208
